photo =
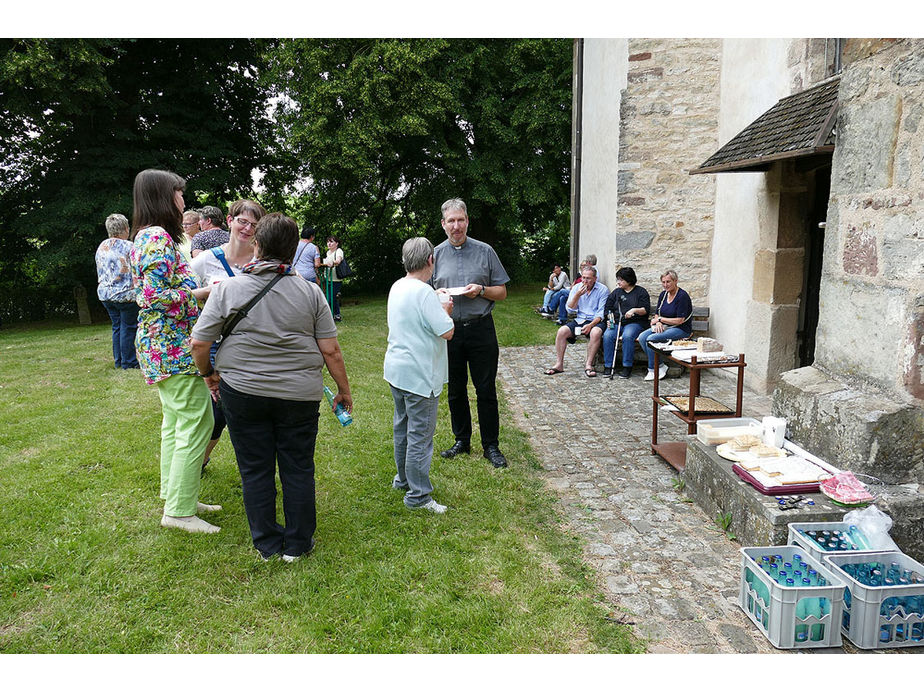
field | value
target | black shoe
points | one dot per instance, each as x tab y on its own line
493	453
626	372
457	448
607	371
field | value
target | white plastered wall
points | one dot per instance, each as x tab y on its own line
755	75
605	67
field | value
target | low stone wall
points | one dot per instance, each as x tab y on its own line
755	518
855	429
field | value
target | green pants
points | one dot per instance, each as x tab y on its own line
184	434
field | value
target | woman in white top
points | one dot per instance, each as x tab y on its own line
237	252
333	258
215	264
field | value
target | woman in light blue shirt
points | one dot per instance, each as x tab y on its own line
416	367
307	256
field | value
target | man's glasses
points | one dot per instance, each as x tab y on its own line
246	223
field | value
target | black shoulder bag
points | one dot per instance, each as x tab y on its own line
242	313
343	270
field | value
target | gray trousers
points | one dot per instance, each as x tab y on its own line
415	424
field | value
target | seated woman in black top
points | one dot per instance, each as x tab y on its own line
629	305
671	320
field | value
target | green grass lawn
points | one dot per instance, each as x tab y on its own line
85	567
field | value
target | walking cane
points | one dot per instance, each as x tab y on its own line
616	346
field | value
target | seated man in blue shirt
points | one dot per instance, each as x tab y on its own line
589	300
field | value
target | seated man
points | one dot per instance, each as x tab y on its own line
589	300
565	297
559	285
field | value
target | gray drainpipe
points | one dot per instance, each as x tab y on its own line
577	99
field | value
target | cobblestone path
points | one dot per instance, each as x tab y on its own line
658	557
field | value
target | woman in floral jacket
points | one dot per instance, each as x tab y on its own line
166	292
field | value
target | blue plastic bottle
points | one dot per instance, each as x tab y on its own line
343	416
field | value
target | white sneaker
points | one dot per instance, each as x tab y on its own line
289	558
662	370
192	523
650	374
432	506
206	508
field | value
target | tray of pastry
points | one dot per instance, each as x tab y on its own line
704	405
674	345
784	471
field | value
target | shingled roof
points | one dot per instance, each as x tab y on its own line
798	125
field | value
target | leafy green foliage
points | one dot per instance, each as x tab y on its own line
85	115
364	138
385	130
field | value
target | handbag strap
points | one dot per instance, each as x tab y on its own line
299	254
220	254
242	313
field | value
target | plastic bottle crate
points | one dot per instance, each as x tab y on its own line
796	538
774	613
862	621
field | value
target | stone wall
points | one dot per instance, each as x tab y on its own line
872	323
861	405
668	125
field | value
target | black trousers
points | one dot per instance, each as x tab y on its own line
265	430
473	349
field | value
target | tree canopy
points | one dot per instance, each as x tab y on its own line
81	117
385	130
364	138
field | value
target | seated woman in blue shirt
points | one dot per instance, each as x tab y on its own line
671	320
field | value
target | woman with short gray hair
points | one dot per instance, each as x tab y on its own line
416	368
114	272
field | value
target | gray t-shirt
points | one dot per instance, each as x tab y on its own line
473	262
273	351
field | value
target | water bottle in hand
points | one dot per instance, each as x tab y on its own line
340	412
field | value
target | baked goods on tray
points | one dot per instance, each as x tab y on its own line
743	443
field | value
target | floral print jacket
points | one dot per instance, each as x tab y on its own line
164	291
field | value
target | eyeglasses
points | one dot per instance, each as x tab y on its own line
191	223
246	223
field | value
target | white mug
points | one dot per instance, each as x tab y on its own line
774	431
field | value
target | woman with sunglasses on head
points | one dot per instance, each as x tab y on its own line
166	293
227	260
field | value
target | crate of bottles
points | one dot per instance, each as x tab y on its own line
792	598
825	538
884	599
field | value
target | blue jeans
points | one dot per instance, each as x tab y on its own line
124	317
552	297
629	332
669	333
414	426
562	306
